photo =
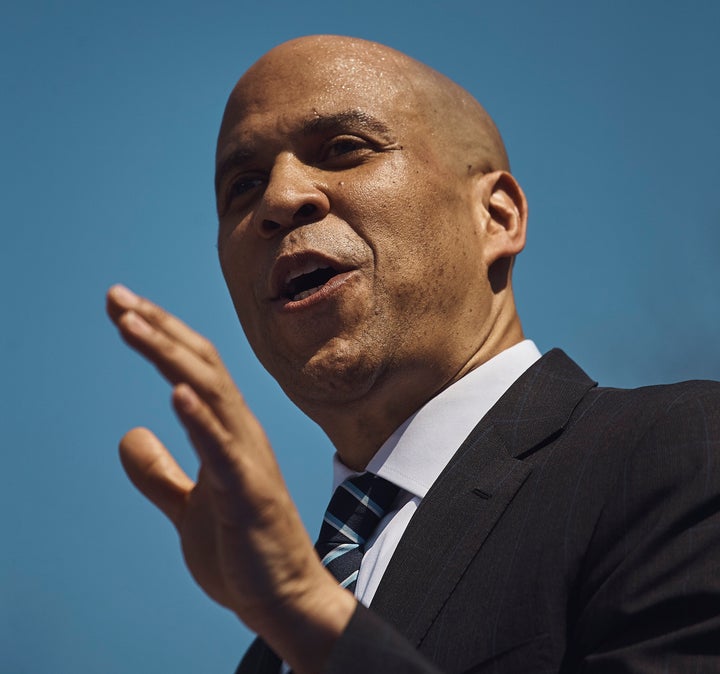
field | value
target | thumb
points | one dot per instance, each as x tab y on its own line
155	473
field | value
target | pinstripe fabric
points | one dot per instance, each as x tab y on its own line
355	510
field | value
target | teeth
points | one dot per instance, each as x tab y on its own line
308	268
305	293
298	282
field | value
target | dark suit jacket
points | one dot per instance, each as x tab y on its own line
577	529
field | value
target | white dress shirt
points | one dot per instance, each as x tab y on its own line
417	452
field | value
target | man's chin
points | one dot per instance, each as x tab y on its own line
330	377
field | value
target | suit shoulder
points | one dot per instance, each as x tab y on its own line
682	405
648	440
664	394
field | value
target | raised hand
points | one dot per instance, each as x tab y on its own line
241	534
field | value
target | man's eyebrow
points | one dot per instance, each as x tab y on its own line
344	120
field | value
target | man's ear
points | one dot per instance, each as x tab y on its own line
503	216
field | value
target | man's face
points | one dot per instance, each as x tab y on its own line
347	237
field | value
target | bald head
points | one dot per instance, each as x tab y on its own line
456	123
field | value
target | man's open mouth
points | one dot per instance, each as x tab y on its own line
298	286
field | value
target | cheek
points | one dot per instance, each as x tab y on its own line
427	255
234	245
236	263
228	265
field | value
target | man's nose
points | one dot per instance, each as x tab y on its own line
292	197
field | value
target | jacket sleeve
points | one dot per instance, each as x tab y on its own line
369	644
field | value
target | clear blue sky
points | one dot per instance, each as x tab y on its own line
109	113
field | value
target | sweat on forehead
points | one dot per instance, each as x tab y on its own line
337	58
334	72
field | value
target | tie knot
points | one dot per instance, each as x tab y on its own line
355	510
373	496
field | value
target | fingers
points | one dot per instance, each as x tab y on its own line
161	337
180	353
120	300
170	355
221	427
155	473
211	439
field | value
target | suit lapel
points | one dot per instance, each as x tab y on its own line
462	507
445	533
539	404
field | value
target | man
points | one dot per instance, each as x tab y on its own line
367	227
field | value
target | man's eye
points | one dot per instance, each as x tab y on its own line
243	185
238	191
344	146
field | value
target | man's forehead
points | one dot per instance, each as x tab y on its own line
313	94
283	109
324	72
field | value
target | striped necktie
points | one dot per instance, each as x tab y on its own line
355	510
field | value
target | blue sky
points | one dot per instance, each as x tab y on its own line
109	115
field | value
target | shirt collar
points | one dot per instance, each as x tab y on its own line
417	452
